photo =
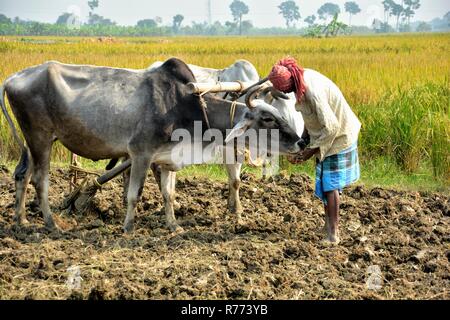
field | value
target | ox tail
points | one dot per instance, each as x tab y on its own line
22	167
8	117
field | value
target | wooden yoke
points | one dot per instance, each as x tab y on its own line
237	86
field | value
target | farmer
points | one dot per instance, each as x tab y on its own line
333	131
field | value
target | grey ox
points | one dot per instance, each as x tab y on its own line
105	113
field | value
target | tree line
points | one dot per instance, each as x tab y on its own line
327	17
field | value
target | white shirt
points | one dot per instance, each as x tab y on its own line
330	121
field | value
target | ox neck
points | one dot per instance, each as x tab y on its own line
219	113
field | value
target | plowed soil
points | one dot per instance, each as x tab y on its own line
394	245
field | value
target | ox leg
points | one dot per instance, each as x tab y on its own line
22	175
168	181
156	168
139	167
265	169
41	165
126	182
234	181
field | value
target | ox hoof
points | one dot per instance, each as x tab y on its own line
175	228
128	227
331	241
236	209
21	221
50	225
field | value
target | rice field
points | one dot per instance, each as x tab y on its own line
398	85
394	243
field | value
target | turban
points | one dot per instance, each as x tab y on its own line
287	76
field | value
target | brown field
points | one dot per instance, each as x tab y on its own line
274	253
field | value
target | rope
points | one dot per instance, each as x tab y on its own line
204	107
79	169
233	111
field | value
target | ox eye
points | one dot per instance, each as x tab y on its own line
267	119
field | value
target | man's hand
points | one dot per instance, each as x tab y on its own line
302	156
308	153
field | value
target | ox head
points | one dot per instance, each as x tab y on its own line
263	119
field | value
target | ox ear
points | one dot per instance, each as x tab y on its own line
239	129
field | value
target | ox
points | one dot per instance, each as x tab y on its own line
243	70
104	113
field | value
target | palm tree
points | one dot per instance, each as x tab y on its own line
238	9
290	12
410	9
328	10
177	20
352	8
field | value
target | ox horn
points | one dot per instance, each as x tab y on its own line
251	95
277	94
258	84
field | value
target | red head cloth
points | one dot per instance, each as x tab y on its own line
287	76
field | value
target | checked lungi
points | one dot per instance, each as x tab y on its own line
337	171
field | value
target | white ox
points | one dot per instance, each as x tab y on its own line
243	70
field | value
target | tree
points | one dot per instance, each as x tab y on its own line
423	27
334	27
328	10
290	12
310	20
387	8
93	4
396	10
381	27
447	18
410	9
246	26
177	20
64	18
238	9
95	19
4	19
147	24
352	8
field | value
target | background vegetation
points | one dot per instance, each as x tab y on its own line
398	17
397	85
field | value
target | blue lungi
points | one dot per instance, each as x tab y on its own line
337	171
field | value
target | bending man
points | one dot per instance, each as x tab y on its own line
333	131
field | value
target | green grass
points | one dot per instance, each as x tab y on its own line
411	127
379	172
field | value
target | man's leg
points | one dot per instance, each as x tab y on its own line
332	215
327	220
